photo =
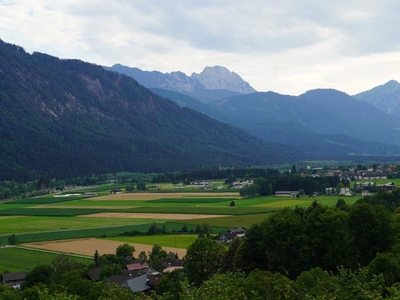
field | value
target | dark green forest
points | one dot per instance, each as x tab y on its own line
68	118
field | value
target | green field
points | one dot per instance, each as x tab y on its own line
14	259
176	241
20	224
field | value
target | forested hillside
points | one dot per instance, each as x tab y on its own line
64	118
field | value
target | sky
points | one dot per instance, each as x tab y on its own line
286	46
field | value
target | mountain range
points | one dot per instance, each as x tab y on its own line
320	122
211	84
67	118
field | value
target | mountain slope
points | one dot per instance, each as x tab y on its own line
63	118
284	119
386	97
323	121
211	84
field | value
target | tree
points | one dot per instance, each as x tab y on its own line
203	259
125	250
293	170
63	264
40	274
141	186
184	228
232	203
96	258
12	239
130	188
142	256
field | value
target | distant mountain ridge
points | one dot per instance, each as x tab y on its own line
385	97
211	84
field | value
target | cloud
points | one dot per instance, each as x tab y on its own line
286	46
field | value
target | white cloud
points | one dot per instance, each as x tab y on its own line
286	46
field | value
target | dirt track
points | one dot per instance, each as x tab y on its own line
116	215
89	246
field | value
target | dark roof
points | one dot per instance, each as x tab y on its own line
138	284
118	279
154	278
172	263
236	230
171	254
20	276
228	235
94	274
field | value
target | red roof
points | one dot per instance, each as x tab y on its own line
137	266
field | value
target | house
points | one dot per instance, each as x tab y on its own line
226	237
374	176
345	192
116	191
386	187
137	280
90	194
365	193
237	185
94	274
136	266
172	265
14	279
330	191
238	231
286	193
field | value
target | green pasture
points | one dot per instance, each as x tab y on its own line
43	200
98	188
192	200
59	212
20	224
4	206
231	221
14	259
167	240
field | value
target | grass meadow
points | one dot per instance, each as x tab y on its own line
14	259
176	241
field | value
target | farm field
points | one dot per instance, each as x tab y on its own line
117	215
173	241
15	259
89	246
20	224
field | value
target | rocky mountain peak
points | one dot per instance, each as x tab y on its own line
220	78
386	97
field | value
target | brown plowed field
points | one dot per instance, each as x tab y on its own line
151	216
89	246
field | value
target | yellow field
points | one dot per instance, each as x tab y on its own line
89	247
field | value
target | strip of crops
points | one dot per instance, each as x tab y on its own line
62	212
207	210
44	200
191	200
97	232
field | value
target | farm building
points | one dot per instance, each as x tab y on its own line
286	193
